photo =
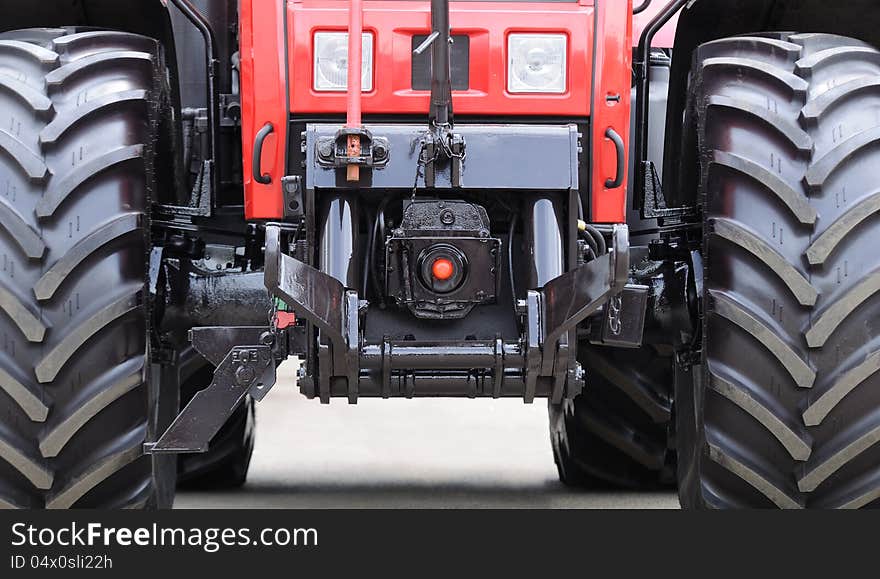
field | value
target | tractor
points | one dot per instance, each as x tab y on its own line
657	217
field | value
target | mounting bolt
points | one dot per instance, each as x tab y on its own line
325	150
447	217
245	375
379	151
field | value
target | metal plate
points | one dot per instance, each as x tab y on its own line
519	157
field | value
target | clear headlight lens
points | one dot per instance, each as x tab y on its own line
331	61
536	63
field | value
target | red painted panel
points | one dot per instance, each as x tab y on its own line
265	92
263	100
611	106
394	23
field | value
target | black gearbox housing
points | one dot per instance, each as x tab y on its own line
433	229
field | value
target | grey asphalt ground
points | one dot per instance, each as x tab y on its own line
405	454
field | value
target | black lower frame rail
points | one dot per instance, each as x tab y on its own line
538	364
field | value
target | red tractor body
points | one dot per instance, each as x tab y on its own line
277	41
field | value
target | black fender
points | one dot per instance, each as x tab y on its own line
150	18
146	17
705	20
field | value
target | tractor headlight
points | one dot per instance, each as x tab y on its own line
331	61
536	63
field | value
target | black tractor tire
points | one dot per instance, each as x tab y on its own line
616	433
785	408
79	128
225	465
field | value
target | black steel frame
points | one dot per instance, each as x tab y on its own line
210	189
540	363
649	198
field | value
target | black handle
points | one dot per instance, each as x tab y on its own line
621	158
259	176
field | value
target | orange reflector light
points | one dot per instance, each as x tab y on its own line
443	269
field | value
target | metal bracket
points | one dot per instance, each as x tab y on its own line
291	187
654	201
441	144
320	299
242	371
565	302
623	321
457	146
568	299
333	152
230	110
688	358
200	196
212	61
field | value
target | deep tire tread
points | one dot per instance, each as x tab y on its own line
747	472
796	442
109	388
25	236
617	433
811	65
64	188
612	428
34	99
822	170
791	132
93	475
825	244
28	322
793	199
743	237
786	405
750	322
842	386
757	48
831	317
99	41
26	396
26	464
29	51
50	365
30	163
55	276
648	392
63	123
59	77
75	183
